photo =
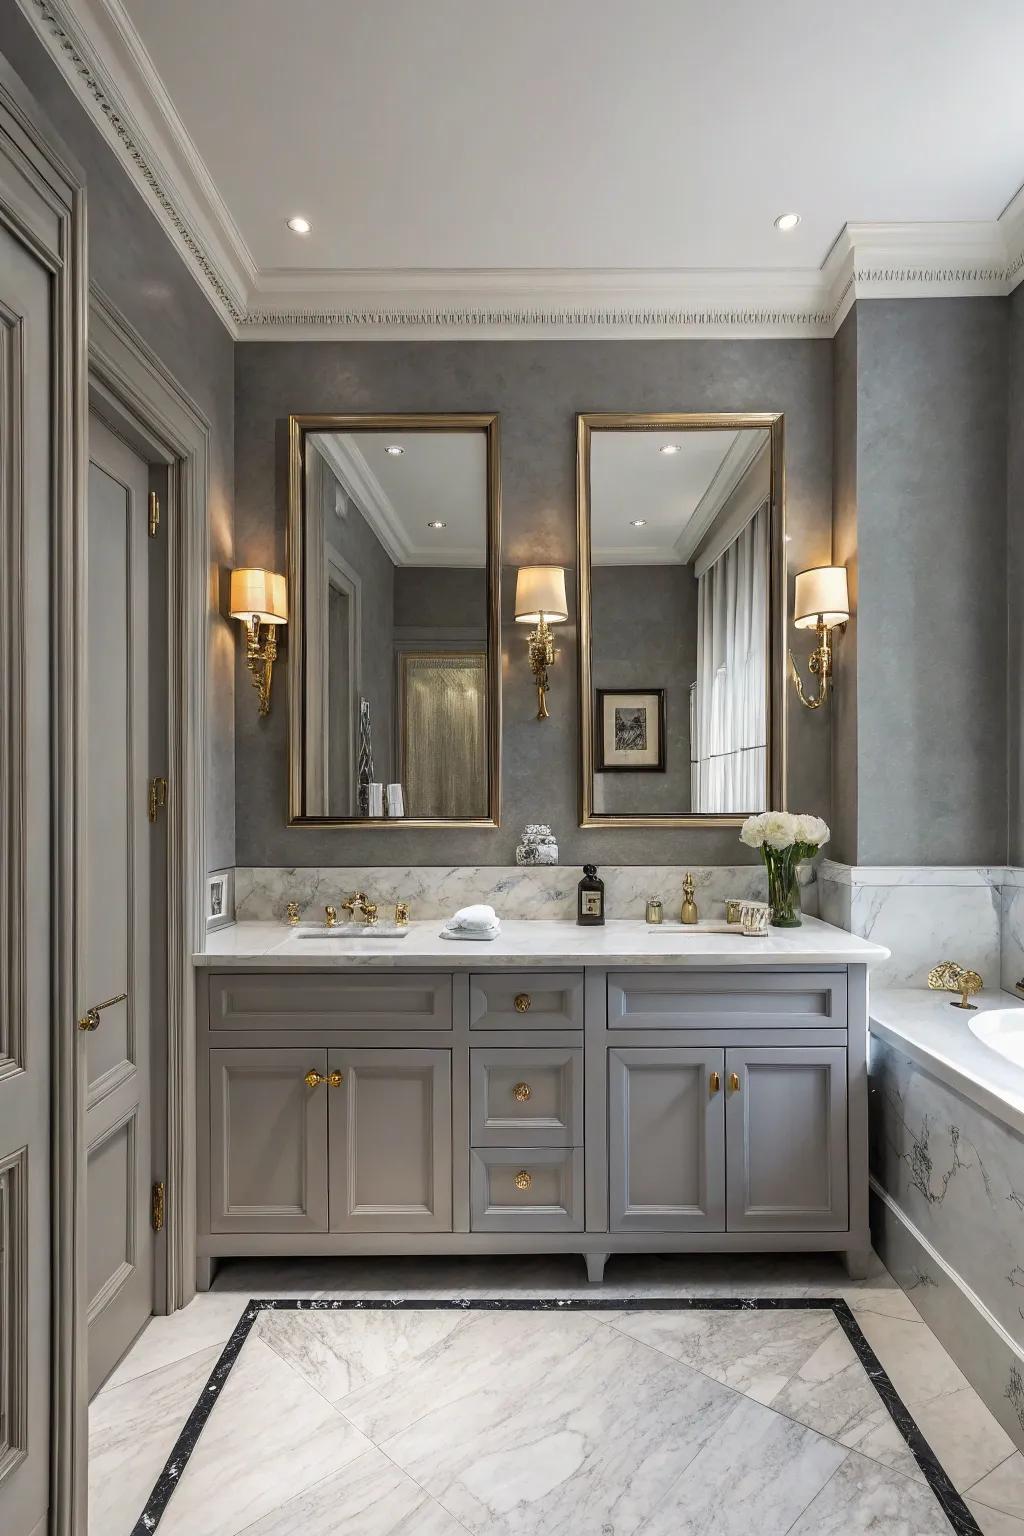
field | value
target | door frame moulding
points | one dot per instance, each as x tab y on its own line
135	395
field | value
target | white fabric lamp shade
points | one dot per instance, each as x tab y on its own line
540	594
821	593
259	594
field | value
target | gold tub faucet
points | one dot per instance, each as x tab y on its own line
950	977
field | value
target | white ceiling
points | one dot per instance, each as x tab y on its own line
563	167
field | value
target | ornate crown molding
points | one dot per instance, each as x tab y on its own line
106	64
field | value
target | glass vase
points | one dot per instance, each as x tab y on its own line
783	887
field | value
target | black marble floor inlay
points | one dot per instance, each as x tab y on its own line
953	1506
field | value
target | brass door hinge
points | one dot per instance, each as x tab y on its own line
156	797
154	514
158	1207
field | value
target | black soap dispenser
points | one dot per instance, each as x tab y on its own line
590	900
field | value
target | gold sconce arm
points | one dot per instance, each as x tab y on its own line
259	599
542	656
260	655
821	668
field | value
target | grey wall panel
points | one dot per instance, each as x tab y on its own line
132	260
1015	573
538	387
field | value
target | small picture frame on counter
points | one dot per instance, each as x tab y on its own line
220	899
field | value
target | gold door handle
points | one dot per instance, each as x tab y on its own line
715	1082
91	1017
524	1002
521	1092
523	1179
313	1079
734	1082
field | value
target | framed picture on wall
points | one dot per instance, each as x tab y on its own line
630	730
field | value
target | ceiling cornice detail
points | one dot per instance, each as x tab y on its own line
105	62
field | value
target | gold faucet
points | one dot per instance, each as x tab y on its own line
330	916
950	977
359	903
293	913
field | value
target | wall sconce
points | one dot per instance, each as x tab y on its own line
821	602
540	600
260	600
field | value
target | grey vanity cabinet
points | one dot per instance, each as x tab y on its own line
268	1140
786	1138
666	1142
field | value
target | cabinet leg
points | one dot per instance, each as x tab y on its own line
205	1271
595	1266
859	1263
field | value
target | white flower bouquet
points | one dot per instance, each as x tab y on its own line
784	839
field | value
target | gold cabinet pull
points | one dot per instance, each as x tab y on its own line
91	1017
715	1082
522	1092
523	1179
313	1079
524	1002
734	1082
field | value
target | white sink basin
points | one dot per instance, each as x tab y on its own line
354	931
1002	1030
706	925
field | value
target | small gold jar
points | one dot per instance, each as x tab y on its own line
655	912
732	909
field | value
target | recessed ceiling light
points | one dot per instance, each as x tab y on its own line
638	522
395	449
298	225
669	448
787	221
437	524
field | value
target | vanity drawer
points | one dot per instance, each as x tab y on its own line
527	1189
286	1000
524	1097
526	1000
720	1000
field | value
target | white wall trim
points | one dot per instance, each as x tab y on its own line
917	874
106	64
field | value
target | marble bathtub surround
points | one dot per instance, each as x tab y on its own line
513	1416
263	894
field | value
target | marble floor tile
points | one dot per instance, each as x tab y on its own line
865	1499
754	1352
371	1497
269	1435
591	1444
1003	1487
132	1430
206	1321
992	1522
337	1352
914	1360
758	1472
968	1441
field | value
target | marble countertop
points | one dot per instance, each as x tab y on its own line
924	1027
272	946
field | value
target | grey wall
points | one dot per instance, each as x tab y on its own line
538	387
141	273
449	599
844	552
922	775
1015	574
644	630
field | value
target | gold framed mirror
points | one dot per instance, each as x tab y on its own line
394	569
681	587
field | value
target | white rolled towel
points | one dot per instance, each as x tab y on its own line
375	799
475	919
395	800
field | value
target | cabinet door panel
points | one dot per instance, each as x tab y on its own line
524	1097
391	1141
268	1141
786	1138
666	1140
527	1189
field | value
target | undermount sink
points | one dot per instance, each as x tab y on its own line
1002	1030
355	931
706	925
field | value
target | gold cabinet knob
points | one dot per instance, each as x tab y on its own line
313	1079
523	1179
714	1082
334	1079
522	1092
734	1082
524	1002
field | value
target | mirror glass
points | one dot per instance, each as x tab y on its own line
681	523
394	570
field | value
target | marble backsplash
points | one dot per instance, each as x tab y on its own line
263	894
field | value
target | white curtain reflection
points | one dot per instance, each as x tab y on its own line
444	734
729	756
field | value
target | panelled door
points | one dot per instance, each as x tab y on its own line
116	901
666	1139
786	1138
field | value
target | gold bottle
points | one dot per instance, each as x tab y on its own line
689	913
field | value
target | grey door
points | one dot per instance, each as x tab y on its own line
116	904
27	416
666	1139
268	1139
391	1141
786	1138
